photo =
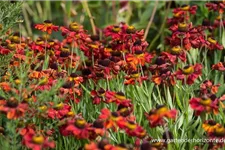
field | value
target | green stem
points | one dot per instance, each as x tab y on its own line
161	28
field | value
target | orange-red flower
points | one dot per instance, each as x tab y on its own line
111	119
47	26
139	58
209	126
133	129
219	66
58	111
156	116
13	108
134	77
36	141
207	87
204	104
5	86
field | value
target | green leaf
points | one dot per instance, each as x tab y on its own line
223	38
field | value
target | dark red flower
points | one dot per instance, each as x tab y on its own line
212	44
216	6
189	73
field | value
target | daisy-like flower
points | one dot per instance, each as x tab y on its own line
181	14
186	35
12	108
217	136
134	77
220	66
207	87
162	72
139	58
212	44
76	79
219	131
98	95
78	127
36	141
4	51
204	104
189	73
101	145
156	116
186	8
59	111
118	97
209	126
111	119
47	26
133	129
5	86
174	54
97	129
124	110
216	6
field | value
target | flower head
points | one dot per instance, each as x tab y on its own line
47	26
156	116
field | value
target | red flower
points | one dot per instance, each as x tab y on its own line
98	96
111	119
119	98
212	44
13	108
216	6
134	77
5	86
4	51
156	116
138	59
78	127
47	26
101	145
219	66
36	141
204	104
97	129
207	87
189	73
59	111
187	35
76	79
162	71
132	129
175	53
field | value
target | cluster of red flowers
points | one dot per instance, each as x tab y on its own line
54	74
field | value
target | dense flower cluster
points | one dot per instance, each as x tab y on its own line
60	74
